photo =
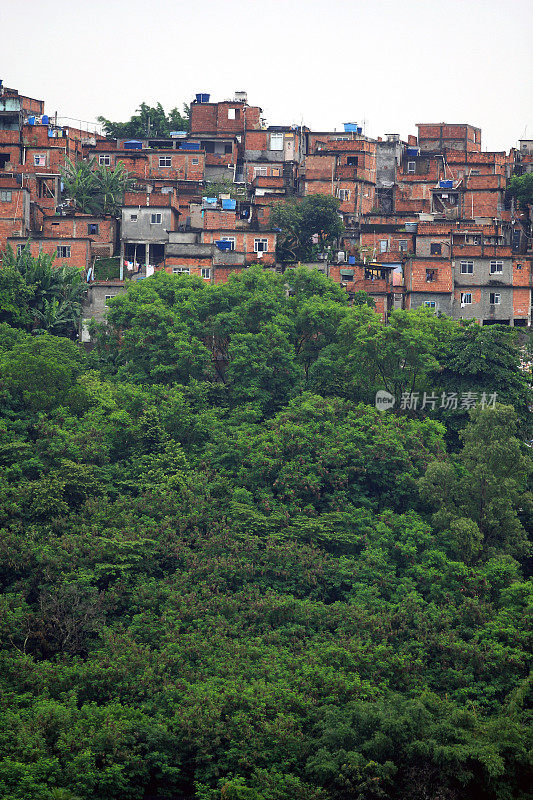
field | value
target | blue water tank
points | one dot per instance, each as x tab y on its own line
190	146
202	98
229	205
446	184
31	120
351	259
350	127
133	144
45	119
359	130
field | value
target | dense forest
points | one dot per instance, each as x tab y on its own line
225	575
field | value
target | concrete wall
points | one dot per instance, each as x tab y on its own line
480	309
481	274
443	301
142	229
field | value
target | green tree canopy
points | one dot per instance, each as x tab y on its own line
149	121
300	221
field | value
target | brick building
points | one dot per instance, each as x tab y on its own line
428	221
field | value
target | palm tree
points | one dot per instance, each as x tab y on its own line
97	190
53	294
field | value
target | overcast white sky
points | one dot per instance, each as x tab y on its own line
392	63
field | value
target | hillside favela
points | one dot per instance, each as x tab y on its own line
266	448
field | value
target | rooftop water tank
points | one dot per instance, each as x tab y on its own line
133	144
31	120
45	119
350	127
359	130
446	184
202	98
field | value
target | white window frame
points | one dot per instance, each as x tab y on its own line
156	218
181	270
104	160
495	298
276	141
231	113
229	239
260	171
383	245
108	297
165	161
496	267
133	217
466	299
195	161
205	272
430	304
6	195
63	247
260	245
411	167
20	248
343	195
39	160
466	267
402	245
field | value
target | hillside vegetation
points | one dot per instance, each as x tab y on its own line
225	575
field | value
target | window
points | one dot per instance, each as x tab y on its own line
352	161
411	167
165	161
39	160
195	161
276	141
494	298
260	171
20	249
430	303
435	249
133	217
93	228
466	299
104	161
467	267
430	275
63	251
181	271
402	246
260	245
5	195
496	267
229	239
206	272
343	194
233	113
383	245
519	266
107	298
155	219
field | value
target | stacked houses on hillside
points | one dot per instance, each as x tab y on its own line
427	222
